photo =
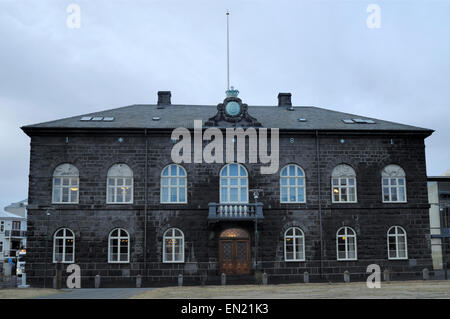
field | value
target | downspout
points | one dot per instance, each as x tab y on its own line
320	204
145	204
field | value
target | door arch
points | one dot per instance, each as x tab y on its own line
234	252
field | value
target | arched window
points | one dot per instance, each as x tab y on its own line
292	184
346	244
173	246
294	244
397	243
394	184
233	184
119	246
343	184
64	246
120	185
65	184
173	184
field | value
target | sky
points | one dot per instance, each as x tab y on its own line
392	63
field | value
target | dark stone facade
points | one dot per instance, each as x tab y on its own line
92	219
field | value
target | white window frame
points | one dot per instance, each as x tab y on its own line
119	173
347	235
295	186
343	173
297	234
64	237
397	235
177	186
393	174
119	239
172	236
227	178
62	172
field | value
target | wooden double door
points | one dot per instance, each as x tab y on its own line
234	253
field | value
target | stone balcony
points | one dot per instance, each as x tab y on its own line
222	211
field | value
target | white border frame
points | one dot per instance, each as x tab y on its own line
296	186
346	245
396	235
173	248
119	238
228	177
64	245
295	238
178	186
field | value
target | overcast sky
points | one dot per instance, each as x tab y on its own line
323	52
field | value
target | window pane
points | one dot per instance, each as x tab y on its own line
292	194
244	194
56	194
74	195
284	196
182	194
233	170
173	170
165	194
301	195
224	194
57	181
284	172
173	194
128	195
225	171
165	181
402	195
233	194
65	195
292	170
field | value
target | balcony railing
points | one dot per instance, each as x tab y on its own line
15	233
251	211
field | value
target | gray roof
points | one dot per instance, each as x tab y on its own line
173	116
8	216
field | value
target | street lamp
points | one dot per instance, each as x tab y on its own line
46	248
256	193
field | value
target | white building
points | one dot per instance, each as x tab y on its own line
439	199
13	230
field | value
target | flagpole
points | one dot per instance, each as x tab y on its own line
228	52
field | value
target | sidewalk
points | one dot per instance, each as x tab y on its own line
97	293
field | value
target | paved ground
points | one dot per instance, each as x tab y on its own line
391	290
25	293
99	293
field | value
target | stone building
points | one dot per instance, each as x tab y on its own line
105	193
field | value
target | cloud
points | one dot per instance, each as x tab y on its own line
125	51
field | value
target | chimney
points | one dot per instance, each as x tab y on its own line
284	99
164	98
